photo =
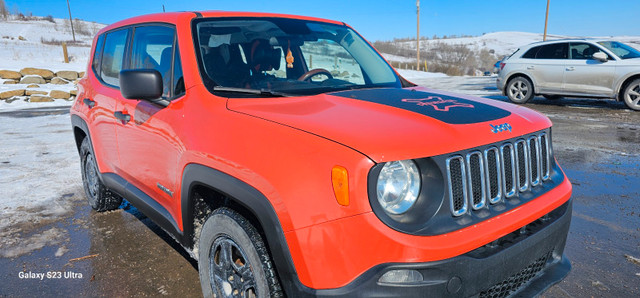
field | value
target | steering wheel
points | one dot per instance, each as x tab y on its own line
314	72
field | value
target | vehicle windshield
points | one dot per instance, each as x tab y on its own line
620	49
286	56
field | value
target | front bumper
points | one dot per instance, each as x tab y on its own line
525	262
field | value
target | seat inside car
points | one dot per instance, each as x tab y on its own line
225	65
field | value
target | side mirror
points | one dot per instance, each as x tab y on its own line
600	56
141	84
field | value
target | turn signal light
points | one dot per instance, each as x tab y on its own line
340	181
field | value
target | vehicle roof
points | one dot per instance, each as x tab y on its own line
174	17
567	40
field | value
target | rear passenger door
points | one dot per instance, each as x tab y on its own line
148	145
547	68
586	75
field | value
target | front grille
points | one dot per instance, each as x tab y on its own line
514	282
480	179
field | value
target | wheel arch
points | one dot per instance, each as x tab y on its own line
624	84
80	130
519	74
205	189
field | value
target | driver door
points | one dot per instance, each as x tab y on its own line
586	75
148	144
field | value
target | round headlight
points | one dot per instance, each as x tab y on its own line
398	186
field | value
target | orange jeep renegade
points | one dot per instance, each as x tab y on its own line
289	158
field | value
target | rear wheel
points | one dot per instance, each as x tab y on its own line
233	260
631	95
519	90
99	196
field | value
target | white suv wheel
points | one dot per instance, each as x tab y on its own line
519	90
631	95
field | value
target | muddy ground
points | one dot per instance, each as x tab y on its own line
121	253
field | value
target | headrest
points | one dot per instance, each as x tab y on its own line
263	56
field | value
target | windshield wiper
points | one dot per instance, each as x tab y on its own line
262	92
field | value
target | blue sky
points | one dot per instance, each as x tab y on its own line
384	20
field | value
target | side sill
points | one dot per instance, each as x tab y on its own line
147	205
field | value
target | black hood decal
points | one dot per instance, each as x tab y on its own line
448	109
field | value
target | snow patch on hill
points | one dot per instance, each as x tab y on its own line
36	43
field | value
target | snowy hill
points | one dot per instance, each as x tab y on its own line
469	55
36	42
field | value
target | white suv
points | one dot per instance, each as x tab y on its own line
572	67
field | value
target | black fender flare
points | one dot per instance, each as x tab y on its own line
77	122
253	200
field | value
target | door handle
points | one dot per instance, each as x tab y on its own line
570	68
125	118
531	67
89	102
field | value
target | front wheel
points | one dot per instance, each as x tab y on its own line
519	90
233	260
631	95
99	196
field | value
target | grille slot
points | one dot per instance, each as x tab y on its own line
476	180
522	165
534	160
509	170
493	169
544	155
457	185
479	179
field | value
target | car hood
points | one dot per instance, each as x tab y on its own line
394	124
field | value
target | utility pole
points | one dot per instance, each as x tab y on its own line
418	46
71	22
546	19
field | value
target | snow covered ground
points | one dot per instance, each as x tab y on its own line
39	169
36	43
413	75
21	44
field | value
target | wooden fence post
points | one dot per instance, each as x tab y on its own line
64	52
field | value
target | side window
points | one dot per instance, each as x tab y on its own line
152	48
553	51
584	51
112	56
178	79
531	53
95	64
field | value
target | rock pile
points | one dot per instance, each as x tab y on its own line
34	78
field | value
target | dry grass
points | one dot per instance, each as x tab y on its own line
57	42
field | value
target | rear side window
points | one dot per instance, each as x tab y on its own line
553	51
95	64
178	78
153	49
113	56
531	53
